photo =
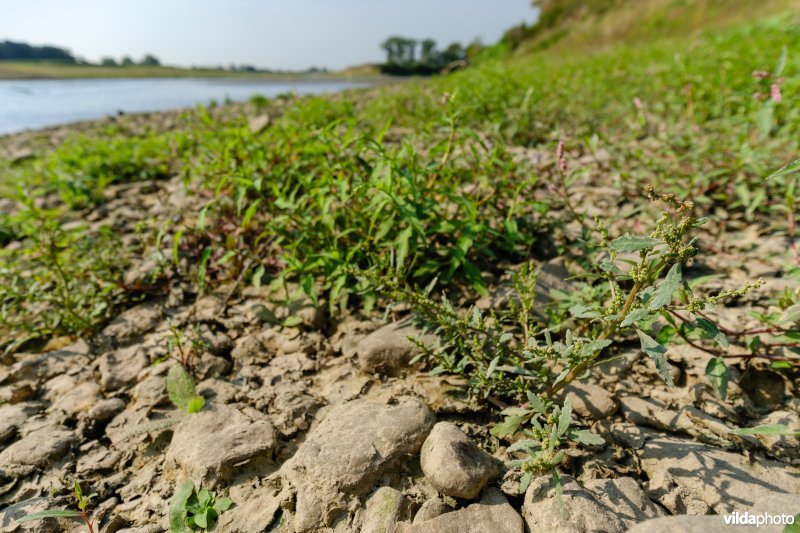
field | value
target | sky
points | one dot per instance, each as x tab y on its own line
279	34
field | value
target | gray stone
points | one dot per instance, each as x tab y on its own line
781	446
38	448
492	514
431	508
384	509
583	512
259	123
453	464
121	368
389	350
249	349
211	445
12	513
348	452
590	401
626	498
688	477
133	322
79	399
12	417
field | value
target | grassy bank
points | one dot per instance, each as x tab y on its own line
45	70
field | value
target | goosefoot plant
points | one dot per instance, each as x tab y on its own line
508	354
192	509
82	503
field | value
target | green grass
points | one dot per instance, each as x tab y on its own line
427	180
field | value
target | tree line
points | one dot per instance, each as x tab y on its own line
14	51
405	56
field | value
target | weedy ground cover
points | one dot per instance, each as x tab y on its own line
402	192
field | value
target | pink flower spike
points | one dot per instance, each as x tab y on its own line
775	92
637	103
760	74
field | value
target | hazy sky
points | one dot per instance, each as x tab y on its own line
287	34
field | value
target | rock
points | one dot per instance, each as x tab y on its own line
781	506
431	508
133	322
348	452
105	410
12	513
210	445
688	477
38	448
384	509
650	412
625	498
781	446
79	399
493	513
765	388
12	417
590	401
121	368
259	123
249	350
688	524
583	512
453	464
388	350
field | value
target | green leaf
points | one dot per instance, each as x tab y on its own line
524	481
559	493
634	316
667	288
717	374
767	429
790	315
222	505
177	507
201	519
633	243
565	418
509	426
583	436
665	334
402	244
711	331
180	387
53	513
195	405
656	352
525	444
78	491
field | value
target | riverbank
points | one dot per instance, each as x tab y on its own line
43	70
520	296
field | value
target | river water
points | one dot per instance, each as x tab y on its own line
30	104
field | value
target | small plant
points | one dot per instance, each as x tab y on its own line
82	503
181	390
192	509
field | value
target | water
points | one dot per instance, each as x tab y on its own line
30	104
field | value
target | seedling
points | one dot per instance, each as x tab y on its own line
81	513
192	509
181	391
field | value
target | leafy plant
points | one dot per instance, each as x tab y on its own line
192	509
633	287
82	503
181	391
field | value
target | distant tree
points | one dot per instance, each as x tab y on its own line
108	62
13	51
150	61
127	62
454	52
428	53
